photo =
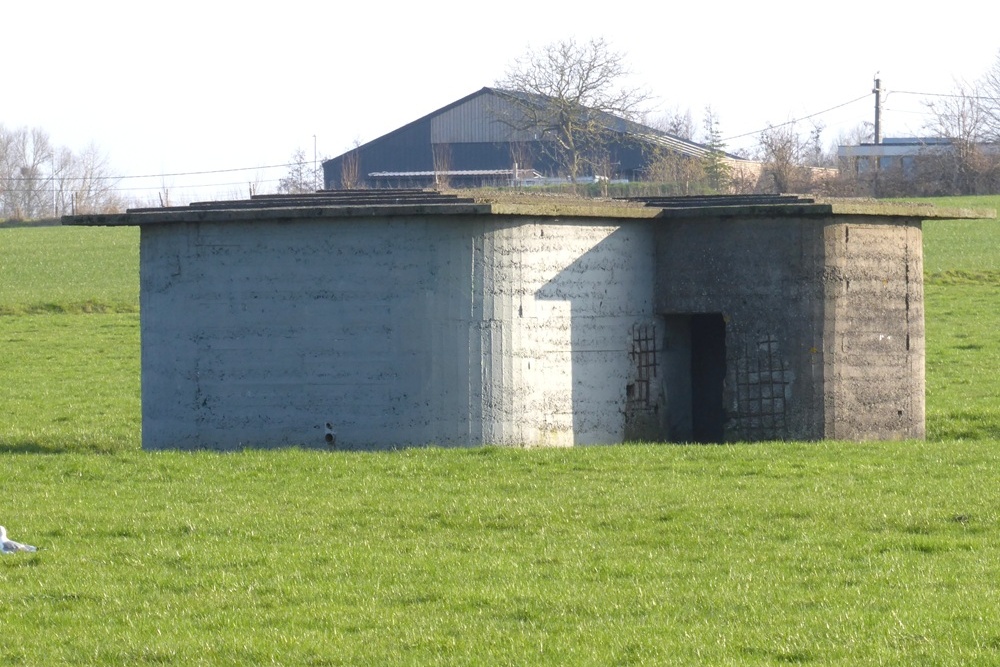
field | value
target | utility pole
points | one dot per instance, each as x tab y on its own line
878	110
315	167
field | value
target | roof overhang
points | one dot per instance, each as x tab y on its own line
382	203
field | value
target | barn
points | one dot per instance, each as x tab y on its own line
475	141
384	319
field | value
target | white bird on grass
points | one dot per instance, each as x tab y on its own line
10	546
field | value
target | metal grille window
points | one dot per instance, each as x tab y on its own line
643	357
762	387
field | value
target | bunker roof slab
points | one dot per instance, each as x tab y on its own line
378	203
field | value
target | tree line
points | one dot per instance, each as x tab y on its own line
41	180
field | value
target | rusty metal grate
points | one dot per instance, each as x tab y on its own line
643	355
762	387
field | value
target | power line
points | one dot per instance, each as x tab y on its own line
48	190
839	106
213	171
797	120
989	98
171	175
200	185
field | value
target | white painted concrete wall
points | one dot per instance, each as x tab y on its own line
447	330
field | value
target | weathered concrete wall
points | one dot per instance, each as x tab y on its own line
451	330
824	322
874	349
764	277
467	329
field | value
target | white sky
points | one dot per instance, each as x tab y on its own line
172	88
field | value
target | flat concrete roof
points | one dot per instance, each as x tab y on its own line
372	203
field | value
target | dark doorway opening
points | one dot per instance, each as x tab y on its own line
695	372
708	374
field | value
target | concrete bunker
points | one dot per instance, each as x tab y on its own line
382	319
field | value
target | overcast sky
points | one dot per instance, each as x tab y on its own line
213	86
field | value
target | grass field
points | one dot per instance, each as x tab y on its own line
962	303
825	553
801	553
963	251
69	270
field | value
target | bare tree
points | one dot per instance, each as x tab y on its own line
677	123
781	151
350	168
25	167
521	157
963	165
961	115
300	178
38	179
83	183
680	174
818	155
989	91
441	156
683	174
564	94
863	133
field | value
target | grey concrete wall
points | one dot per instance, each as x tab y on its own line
824	321
449	330
765	278
472	329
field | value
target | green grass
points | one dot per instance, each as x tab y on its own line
69	383
962	304
829	553
963	251
963	359
69	270
778	553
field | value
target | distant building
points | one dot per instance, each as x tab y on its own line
468	143
899	154
922	166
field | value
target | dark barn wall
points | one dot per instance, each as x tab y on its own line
406	149
412	151
475	140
